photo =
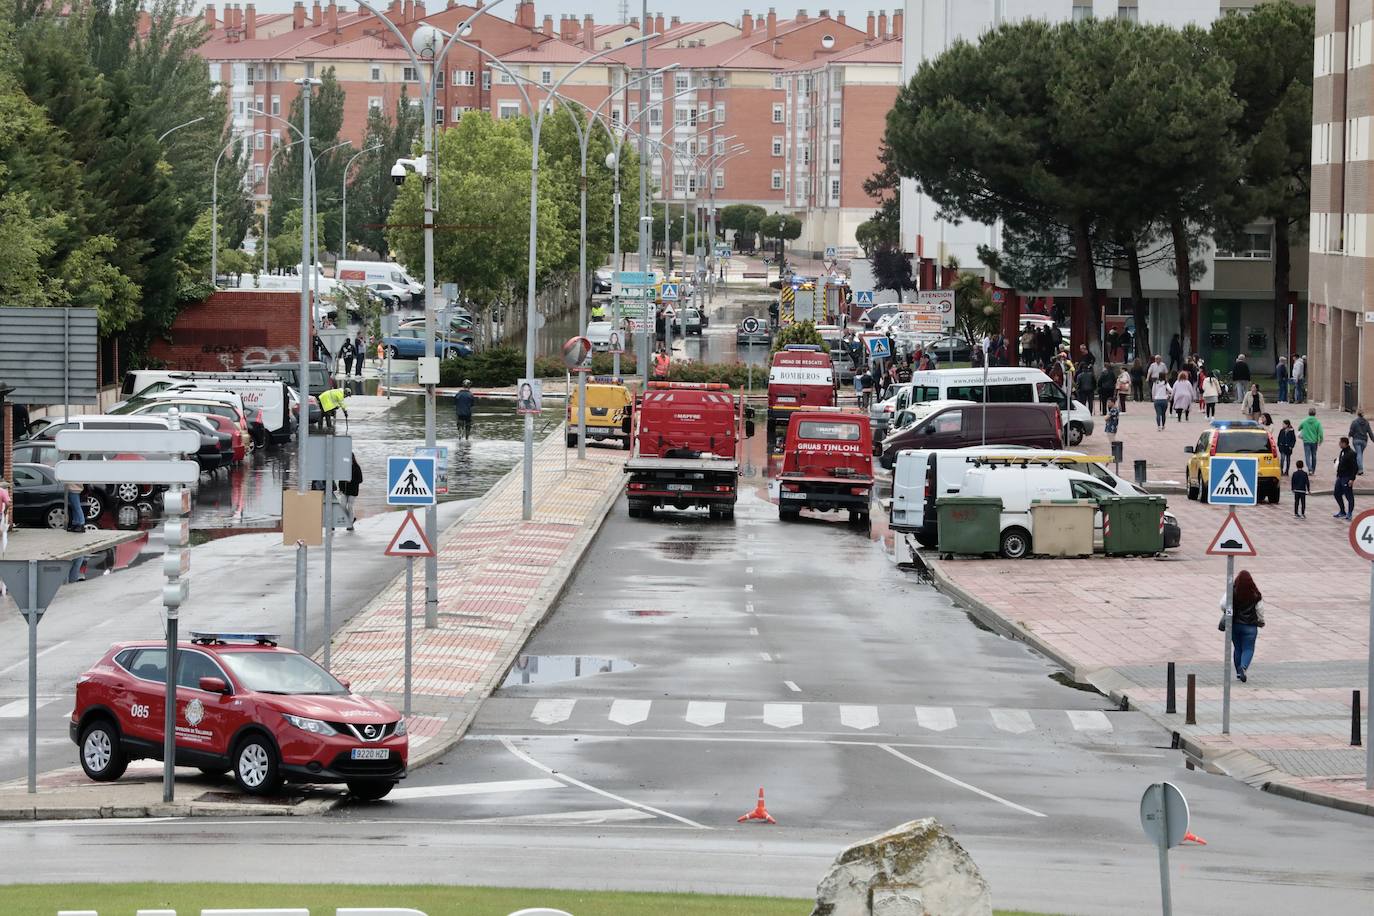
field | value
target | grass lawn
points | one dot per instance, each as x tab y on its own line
321	900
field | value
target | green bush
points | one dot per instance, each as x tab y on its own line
493	368
801	332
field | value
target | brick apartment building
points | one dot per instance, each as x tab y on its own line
1341	321
755	82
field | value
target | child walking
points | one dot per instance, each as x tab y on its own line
1302	485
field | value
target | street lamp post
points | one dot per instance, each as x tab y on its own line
343	215
163	135
315	269
214	205
307	85
267	192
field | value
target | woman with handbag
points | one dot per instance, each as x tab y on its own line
1247	616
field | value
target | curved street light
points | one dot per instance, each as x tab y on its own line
343	221
267	192
163	135
214	204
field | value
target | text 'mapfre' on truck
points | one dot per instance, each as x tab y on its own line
801	376
686	450
827	465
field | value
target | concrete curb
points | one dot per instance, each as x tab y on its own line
1236	763
52	812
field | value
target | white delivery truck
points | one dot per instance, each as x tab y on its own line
265	400
362	273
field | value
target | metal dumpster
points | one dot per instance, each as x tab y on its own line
1062	527
1133	525
969	524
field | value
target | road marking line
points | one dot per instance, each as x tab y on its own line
749	569
593	789
570	818
749	587
629	712
20	708
551	712
860	717
753	631
792	686
1016	721
23	662
935	718
730	736
704	713
476	788
765	656
748	607
782	715
1089	720
959	782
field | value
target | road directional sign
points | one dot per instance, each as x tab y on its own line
1231	540
410	540
140	441
409	481
669	293
863	297
161	471
1233	481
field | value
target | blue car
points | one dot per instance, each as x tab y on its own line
409	343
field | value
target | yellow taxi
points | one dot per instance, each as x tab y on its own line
610	407
1233	439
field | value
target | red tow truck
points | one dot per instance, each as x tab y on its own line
801	376
827	465
687	443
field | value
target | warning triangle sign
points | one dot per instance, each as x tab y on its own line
411	485
1231	540
410	540
1232	484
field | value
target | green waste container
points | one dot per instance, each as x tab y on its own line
1062	527
1133	525
969	524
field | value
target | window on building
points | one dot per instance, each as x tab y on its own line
834	190
835	116
259	141
458	112
1128	11
1082	10
376	74
679	182
777	113
656	83
1255	244
438	116
238	107
410	75
777	179
257	174
692	116
656	116
681	82
486	80
546	76
634	114
777	146
720	112
464	78
374	101
438	79
508	110
806	155
276	73
679	115
835	153
720	179
615	116
505	79
777	80
276	105
804	119
251	73
720	147
257	104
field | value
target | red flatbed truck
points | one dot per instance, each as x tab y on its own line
686	451
827	465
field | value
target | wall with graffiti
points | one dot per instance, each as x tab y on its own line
231	328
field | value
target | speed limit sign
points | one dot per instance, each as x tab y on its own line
1362	534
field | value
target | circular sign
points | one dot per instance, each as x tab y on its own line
1362	534
1164	814
576	351
751	324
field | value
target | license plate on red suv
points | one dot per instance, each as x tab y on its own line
371	753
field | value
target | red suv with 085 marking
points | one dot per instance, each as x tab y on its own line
244	705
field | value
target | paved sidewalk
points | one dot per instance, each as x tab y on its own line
1116	623
498	578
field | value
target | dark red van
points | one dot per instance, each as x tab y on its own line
1031	425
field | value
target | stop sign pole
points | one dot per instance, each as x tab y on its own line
1362	539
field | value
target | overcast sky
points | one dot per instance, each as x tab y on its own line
608	10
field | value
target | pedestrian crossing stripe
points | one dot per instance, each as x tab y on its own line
410	481
1232	481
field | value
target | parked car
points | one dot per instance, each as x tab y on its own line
691	321
245	706
409	343
1033	425
602	280
1233	439
461	329
40	499
951	348
391	294
96	500
753	330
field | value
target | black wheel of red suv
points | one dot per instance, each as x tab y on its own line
256	767
101	755
370	789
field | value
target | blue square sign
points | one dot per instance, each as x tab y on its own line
1233	481
863	297
877	348
409	480
669	292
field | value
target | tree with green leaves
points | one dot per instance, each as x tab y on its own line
326	120
744	220
782	228
975	314
799	332
371	192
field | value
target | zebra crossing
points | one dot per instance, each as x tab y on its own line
604	713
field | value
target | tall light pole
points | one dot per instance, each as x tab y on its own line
343	215
163	135
214	205
307	85
646	223
267	192
314	207
260	113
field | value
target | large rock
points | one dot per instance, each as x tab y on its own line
916	869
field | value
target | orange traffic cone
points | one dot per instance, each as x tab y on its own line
1194	837
760	813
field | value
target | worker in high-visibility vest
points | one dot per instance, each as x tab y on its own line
331	401
598	310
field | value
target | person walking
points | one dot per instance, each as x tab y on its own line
349	488
1346	470
1240	370
1161	393
1113	414
1359	438
462	405
1247	616
1287	440
1123	388
1310	431
1254	404
76	518
1175	353
1281	373
1137	380
359	354
1301	485
1106	386
346	354
1085	386
1182	397
1299	376
1211	393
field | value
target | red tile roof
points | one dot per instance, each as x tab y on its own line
369	47
884	52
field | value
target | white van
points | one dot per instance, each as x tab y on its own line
361	273
921	476
1019	486
1006	385
260	395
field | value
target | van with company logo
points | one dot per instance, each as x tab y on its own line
262	396
364	273
827	465
1006	385
960	426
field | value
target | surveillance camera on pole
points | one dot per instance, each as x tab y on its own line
418	165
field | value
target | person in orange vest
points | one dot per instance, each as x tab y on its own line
661	364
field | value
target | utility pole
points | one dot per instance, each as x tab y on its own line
307	85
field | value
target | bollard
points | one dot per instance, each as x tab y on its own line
1118	452
1140	471
1191	717
1354	718
1170	699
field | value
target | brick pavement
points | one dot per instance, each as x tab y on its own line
498	577
1117	622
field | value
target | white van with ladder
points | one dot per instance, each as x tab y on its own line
264	398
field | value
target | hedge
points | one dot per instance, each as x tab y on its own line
502	367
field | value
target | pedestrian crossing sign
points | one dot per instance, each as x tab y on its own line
669	292
877	348
1233	481
409	480
863	297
